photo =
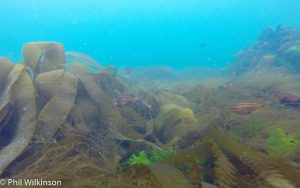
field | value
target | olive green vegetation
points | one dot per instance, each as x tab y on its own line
143	158
71	128
254	126
174	121
281	141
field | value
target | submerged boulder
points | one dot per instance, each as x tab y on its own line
278	47
173	122
292	54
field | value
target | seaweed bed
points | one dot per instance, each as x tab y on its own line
65	117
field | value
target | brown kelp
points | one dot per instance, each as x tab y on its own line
59	88
43	56
80	122
19	90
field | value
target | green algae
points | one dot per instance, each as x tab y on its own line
147	158
158	155
282	141
139	158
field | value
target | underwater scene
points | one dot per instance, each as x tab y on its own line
151	94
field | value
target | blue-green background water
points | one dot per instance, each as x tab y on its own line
130	33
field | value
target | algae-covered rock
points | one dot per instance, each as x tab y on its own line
293	51
278	47
173	122
292	55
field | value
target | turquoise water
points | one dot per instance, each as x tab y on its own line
130	33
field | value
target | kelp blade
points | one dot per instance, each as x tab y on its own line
44	56
24	102
63	93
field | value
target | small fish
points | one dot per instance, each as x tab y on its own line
125	71
124	99
245	108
